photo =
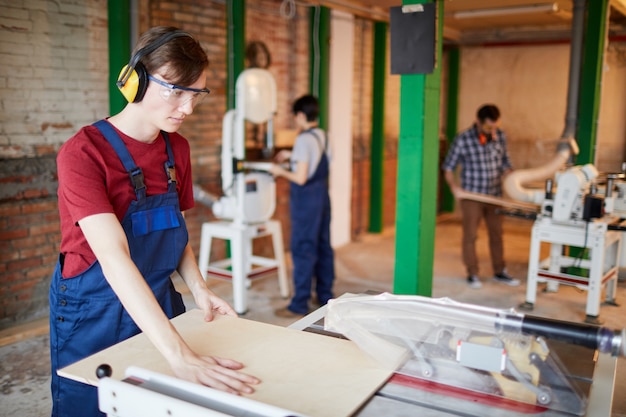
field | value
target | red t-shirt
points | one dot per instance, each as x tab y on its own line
92	180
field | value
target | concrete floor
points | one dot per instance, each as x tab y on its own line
360	266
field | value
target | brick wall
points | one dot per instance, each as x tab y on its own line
48	89
56	80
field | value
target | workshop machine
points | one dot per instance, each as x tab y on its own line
583	221
249	190
151	394
474	356
247	206
450	359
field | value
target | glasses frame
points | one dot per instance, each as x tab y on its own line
178	87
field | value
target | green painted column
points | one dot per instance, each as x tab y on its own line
236	48
235	59
320	59
377	153
418	170
119	49
591	79
452	114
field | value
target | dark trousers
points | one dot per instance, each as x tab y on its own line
473	212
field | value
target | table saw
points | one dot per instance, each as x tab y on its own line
465	363
575	377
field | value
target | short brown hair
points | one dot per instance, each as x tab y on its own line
182	58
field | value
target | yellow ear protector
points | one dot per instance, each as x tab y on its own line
133	79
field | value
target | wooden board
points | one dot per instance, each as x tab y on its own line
304	372
498	201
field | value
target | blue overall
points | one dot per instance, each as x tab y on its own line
312	255
86	316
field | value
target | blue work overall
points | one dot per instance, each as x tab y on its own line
312	255
86	316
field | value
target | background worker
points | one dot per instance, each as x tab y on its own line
482	153
309	208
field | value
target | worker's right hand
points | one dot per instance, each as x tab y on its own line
457	192
219	373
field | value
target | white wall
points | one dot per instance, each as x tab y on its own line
611	143
529	84
340	124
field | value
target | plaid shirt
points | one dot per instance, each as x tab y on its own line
482	166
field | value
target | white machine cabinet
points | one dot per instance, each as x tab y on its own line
603	262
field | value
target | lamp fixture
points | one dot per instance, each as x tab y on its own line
507	11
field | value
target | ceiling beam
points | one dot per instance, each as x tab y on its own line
355	8
619	5
451	34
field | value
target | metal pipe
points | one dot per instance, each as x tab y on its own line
567	147
601	338
578	22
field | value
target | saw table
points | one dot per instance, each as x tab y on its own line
593	374
308	371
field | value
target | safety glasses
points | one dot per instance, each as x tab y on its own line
179	96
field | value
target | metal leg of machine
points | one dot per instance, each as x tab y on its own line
602	265
243	265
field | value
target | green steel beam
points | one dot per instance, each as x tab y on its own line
452	112
236	52
320	59
119	49
236	49
591	79
377	154
418	171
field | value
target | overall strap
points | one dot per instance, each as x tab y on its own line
169	164
135	173
319	141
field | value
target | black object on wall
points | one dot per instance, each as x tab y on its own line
413	39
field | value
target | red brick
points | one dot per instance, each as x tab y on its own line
23	264
12	276
7	210
41	273
30	242
13	234
38	207
44	229
9	256
29	219
36	252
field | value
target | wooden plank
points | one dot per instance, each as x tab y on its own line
308	373
24	331
498	201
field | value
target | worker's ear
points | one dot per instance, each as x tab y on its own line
300	118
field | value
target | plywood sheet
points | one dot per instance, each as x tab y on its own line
308	373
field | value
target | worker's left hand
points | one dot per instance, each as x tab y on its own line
211	304
276	170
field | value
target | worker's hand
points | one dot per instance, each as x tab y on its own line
276	170
210	303
219	373
458	193
282	156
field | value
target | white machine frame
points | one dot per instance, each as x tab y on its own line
243	265
248	203
603	262
147	393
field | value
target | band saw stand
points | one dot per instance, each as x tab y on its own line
249	199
